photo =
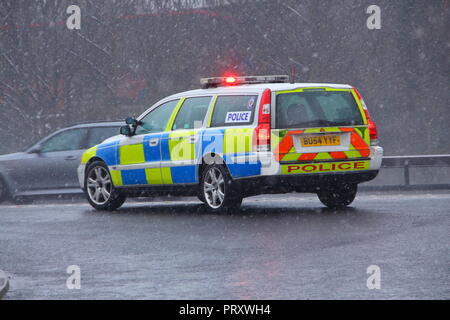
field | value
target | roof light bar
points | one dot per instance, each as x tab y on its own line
222	81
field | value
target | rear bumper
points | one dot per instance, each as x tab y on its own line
271	167
274	180
301	183
376	157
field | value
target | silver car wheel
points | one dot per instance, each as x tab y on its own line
214	188
99	185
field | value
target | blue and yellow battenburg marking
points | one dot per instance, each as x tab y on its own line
175	158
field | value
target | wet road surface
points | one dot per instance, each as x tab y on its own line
277	247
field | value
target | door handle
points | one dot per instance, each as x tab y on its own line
153	142
70	158
192	139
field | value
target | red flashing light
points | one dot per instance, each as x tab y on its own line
230	80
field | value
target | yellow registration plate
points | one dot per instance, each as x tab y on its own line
322	140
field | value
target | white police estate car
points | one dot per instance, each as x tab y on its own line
238	137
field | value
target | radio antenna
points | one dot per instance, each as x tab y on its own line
293	74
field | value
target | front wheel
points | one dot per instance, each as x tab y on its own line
217	190
100	190
338	196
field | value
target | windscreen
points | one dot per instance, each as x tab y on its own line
317	108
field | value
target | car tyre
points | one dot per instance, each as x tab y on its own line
218	191
99	188
339	196
201	198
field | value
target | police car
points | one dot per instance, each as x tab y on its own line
238	137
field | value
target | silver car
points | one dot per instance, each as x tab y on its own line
50	166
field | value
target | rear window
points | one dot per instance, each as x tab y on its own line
73	139
316	109
234	110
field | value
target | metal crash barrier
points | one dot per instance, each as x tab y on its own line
406	163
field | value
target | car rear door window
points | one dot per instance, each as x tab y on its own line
192	113
99	134
73	139
234	110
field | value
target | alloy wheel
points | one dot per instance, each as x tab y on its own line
99	185
214	188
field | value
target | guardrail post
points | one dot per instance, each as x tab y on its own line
406	172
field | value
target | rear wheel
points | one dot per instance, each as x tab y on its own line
217	190
338	196
100	190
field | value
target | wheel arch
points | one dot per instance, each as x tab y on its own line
218	159
93	159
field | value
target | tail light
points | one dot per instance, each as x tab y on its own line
373	132
261	138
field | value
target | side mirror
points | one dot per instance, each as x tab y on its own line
35	149
131	121
126	131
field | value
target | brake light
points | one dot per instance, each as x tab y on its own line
261	138
373	132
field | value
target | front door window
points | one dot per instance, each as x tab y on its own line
141	153
156	120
